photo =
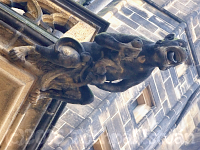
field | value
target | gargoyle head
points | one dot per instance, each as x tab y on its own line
170	52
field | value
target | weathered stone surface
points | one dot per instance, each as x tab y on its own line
148	25
14	87
170	92
128	21
161	23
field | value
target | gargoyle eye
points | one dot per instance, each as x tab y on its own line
170	37
180	44
159	42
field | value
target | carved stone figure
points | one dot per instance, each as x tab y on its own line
65	68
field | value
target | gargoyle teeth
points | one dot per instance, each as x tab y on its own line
171	57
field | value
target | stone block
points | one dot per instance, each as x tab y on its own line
180	15
81	31
158	147
129	94
161	23
161	15
146	128
106	102
161	33
65	130
196	1
140	148
131	135
101	94
195	20
193	71
139	10
115	22
126	11
140	88
189	78
96	127
51	136
74	146
81	110
171	114
104	116
47	147
174	76
166	106
165	122
65	144
151	120
191	29
148	34
146	24
77	142
59	123
119	130
178	107
72	118
140	136
190	123
194	110
155	95
172	9
112	135
165	75
157	130
127	21
127	147
127	30
111	30
96	102
181	79
125	116
170	92
159	116
196	119
198	103
184	1
152	137
159	2
56	141
197	31
131	106
160	86
191	5
122	107
138	3
113	109
87	136
181	7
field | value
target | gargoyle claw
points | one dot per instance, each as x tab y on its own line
17	55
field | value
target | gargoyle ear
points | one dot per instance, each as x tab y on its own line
170	37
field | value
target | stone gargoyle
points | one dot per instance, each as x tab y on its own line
65	68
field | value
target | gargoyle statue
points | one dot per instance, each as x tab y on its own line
65	68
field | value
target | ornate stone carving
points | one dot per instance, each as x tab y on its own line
65	68
45	14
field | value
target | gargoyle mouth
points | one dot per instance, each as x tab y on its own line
174	57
